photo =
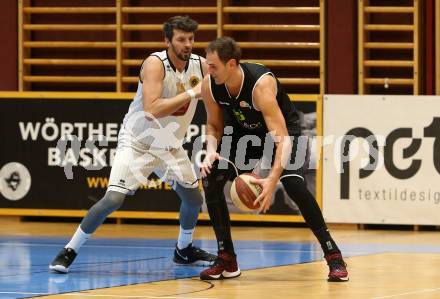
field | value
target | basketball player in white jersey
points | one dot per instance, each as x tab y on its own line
150	140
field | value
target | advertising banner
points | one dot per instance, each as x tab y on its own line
381	159
40	169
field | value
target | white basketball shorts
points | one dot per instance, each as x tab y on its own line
134	162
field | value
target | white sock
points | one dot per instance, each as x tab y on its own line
78	239
185	238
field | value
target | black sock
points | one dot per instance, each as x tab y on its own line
226	245
328	245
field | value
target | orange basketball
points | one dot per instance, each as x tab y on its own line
244	193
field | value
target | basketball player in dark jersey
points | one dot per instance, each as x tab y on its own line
248	98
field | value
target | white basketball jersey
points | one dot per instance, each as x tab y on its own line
166	131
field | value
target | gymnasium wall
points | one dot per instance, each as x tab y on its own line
9	45
341	70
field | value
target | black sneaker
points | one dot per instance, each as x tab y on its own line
63	260
193	255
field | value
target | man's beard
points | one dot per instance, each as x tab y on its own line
183	57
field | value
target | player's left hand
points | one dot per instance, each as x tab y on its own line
265	198
206	166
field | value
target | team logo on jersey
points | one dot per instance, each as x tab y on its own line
239	115
244	104
194	80
15	181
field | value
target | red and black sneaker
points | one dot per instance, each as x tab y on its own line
337	266
224	267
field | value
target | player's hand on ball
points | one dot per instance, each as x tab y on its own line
268	185
205	169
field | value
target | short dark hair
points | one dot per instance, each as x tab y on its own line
226	48
184	23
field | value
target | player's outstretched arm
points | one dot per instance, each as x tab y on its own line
152	86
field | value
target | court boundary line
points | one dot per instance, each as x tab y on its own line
408	293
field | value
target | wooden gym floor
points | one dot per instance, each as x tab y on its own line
134	261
